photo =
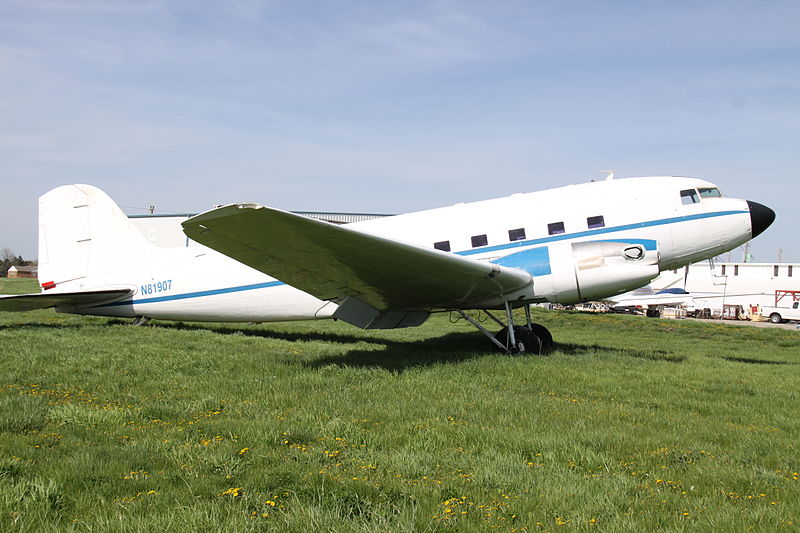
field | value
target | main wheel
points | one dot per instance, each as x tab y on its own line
526	341
775	318
544	334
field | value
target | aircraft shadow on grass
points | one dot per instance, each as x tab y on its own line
265	334
399	356
753	361
652	355
454	347
459	347
450	348
396	355
40	325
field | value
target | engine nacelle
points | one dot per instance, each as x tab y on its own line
592	270
571	273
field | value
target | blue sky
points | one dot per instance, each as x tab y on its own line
393	106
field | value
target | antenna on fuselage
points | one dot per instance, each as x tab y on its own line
610	174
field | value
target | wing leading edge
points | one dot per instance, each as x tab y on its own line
341	264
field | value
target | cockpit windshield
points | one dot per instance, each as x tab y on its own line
709	192
689	196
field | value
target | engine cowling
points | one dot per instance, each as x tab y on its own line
569	273
593	270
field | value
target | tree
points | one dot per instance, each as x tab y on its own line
9	259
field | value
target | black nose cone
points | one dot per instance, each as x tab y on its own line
761	217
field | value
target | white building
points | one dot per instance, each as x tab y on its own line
713	285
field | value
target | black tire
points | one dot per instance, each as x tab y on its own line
531	342
502	338
546	337
527	341
775	318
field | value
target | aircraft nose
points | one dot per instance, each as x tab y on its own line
761	217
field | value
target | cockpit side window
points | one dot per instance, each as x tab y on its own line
709	192
689	196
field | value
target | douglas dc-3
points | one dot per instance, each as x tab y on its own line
258	264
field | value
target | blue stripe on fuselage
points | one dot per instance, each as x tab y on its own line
600	231
535	261
198	294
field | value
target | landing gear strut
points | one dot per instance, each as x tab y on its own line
530	338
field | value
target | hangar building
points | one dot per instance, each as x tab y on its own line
166	231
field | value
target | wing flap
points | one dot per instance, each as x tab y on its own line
43	300
333	262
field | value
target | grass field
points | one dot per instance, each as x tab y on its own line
631	424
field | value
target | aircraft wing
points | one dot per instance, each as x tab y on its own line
646	296
42	300
333	262
671	299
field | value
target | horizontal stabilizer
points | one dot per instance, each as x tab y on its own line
43	300
335	262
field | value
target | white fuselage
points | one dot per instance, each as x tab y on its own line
196	283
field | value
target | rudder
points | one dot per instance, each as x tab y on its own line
84	238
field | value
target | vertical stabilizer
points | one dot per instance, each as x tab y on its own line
84	238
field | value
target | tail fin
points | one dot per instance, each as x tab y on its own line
84	238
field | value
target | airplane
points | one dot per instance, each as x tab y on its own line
260	264
651	301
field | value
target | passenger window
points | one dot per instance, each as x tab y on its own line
723	270
775	269
709	192
555	228
479	240
789	271
689	196
595	222
442	245
516	234
735	270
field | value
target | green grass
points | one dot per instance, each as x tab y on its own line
631	424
